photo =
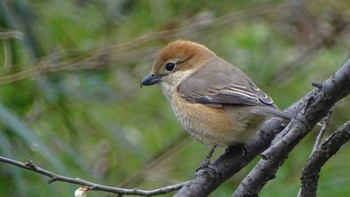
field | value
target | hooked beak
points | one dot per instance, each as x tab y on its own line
150	79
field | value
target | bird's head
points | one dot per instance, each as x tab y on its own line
177	61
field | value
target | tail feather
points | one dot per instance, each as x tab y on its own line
272	111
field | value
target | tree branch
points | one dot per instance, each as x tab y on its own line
322	131
312	168
315	105
8	34
29	165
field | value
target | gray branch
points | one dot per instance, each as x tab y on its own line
312	168
90	185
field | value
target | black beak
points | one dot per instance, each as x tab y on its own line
150	79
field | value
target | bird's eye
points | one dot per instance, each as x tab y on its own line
170	66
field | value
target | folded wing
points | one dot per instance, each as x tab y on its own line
230	86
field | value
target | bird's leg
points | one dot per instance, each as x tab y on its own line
206	162
210	154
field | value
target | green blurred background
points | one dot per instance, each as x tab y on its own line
70	86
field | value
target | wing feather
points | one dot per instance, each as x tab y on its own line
230	86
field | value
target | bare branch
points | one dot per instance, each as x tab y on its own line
317	105
329	147
4	35
322	131
29	165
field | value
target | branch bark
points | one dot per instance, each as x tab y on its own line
317	106
329	147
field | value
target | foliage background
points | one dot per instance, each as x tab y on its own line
71	102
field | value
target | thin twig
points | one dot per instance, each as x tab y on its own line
7	55
29	165
323	129
11	34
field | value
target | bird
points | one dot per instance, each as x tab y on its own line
214	101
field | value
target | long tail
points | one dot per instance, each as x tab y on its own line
272	111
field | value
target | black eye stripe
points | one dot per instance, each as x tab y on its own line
170	66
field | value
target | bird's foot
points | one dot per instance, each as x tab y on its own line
206	163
